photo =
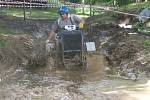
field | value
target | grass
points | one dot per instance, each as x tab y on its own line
147	43
139	5
50	13
136	6
5	30
3	43
42	13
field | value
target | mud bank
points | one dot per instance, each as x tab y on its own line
123	48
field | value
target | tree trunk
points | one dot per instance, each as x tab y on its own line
30	8
138	1
91	8
24	13
83	6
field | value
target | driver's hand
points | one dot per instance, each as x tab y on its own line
48	41
80	25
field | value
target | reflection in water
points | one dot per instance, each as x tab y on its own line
96	67
43	84
38	82
95	70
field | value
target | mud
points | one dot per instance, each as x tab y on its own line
24	73
122	48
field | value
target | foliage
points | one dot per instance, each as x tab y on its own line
92	1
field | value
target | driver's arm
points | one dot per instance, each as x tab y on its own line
79	20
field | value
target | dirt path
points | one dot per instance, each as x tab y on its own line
137	91
133	95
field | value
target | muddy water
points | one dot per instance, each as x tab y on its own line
43	84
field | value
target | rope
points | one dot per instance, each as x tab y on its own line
105	9
108	9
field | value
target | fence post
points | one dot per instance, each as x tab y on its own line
30	7
91	8
24	13
83	6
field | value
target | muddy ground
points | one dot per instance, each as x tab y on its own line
123	48
120	52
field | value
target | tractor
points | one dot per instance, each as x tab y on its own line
72	48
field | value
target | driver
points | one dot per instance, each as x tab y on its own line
65	19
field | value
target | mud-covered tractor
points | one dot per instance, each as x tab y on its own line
71	48
73	51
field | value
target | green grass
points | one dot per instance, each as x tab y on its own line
5	30
147	43
3	43
134	6
41	13
50	13
139	5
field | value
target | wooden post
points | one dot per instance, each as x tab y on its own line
30	8
24	13
91	8
83	6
